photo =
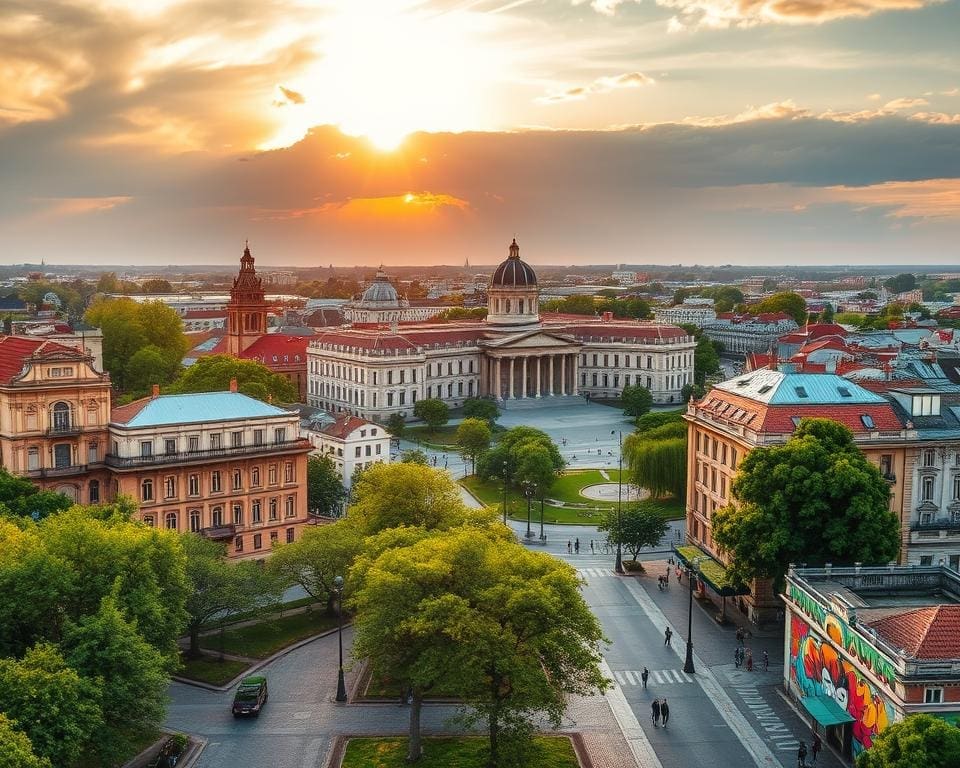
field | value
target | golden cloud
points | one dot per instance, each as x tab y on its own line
600	85
748	13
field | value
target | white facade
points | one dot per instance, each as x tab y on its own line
698	313
350	443
742	335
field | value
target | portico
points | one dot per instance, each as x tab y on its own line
534	365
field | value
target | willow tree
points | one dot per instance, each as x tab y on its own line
658	464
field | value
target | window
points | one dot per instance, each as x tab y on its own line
290	534
170	487
146	490
258	437
148	520
169	446
255	477
932	695
146	448
237	514
956	488
94	491
929	456
868	421
272	474
257	541
193	443
33	458
238	544
236	439
237	480
926	489
886	465
170	521
255	511
280	435
926	560
288	472
215	442
216	517
274	536
378	448
273	510
801	392
844	392
61	417
215	485
367	450
193	485
289	509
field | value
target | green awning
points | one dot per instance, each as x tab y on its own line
825	710
711	572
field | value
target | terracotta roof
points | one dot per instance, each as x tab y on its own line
608	329
121	414
344	425
932	632
280	346
192	314
15	351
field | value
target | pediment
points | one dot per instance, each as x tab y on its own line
534	340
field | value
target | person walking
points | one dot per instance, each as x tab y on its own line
802	755
667	634
664	711
576	547
749	660
667	577
766	661
655	712
591	547
816	747
740	635
569	546
644	676
736	656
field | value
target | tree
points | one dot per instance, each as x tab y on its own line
15	748
214	373
788	302
322	553
106	647
900	283
22	498
481	408
637	528
466	613
156	285
414	456
432	411
636	400
651	421
814	499
534	468
917	741
147	367
501	460
217	586
706	359
826	316
473	438
108	283
325	492
657	460
396	425
58	710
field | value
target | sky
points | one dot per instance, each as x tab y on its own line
432	131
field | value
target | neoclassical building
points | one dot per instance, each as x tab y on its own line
515	354
381	303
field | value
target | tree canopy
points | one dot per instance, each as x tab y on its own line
434	412
325	491
636	400
16	751
502	460
815	499
20	497
473	438
213	374
791	303
917	741
481	408
396	425
905	281
638	527
656	454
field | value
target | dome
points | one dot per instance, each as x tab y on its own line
380	292
514	273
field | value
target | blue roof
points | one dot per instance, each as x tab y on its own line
167	410
787	388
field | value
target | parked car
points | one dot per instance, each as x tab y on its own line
251	696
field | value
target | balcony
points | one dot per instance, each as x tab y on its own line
124	462
64	430
219	533
45	472
944	524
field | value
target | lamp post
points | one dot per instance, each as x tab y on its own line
528	492
504	493
341	687
688	662
618	566
543	536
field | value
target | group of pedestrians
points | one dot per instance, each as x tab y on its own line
660	712
815	748
573	547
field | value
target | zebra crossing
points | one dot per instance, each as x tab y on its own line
594	572
657	677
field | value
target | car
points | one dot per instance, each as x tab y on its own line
250	697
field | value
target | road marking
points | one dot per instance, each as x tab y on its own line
776	730
594	572
629	725
630	678
657	676
752	741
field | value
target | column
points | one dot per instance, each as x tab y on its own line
575	376
496	380
550	383
563	374
538	378
523	381
511	377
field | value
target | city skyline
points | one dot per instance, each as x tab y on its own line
429	132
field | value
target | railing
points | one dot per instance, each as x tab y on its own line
64	430
73	469
219	532
213	453
944	524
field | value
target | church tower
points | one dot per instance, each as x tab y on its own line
247	310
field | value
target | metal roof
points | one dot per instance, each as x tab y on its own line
784	388
167	410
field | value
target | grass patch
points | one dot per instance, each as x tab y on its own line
271	635
263	610
211	670
138	742
443	438
463	752
671	508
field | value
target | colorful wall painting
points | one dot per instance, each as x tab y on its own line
818	669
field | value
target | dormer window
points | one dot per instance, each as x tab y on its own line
867	421
801	391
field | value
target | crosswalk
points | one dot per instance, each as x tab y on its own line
657	677
594	572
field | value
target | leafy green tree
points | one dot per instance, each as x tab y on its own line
108	283
473	438
900	283
501	460
156	285
725	297
658	462
814	499
213	374
638	527
396	425
322	553
917	741
325	492
791	303
706	359
636	400
58	710
414	456
432	411
466	613
650	421
148	366
535	468
22	498
481	408
463	313
217	586
826	316
16	751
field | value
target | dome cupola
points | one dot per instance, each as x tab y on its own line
380	292
513	297
514	272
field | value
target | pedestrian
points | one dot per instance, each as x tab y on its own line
667	577
668	633
766	661
802	756
678	574
645	676
664	712
591	547
816	747
576	546
569	546
655	709
736	656
740	635
749	660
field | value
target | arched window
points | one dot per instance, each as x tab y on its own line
216	515
61	416
146	490
195	520
170	521
94	491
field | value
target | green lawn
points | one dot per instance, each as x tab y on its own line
463	752
266	638
444	437
211	670
262	611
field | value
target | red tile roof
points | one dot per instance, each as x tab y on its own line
932	632
15	351
193	314
121	414
602	330
344	425
280	346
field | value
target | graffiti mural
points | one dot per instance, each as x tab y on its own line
817	669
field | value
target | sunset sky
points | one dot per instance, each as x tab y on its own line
428	131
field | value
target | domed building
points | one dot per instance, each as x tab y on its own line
380	303
515	354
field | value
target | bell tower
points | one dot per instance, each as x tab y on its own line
247	309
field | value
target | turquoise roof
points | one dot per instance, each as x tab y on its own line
787	388
167	410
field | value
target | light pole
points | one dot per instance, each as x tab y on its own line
504	493
688	662
543	536
341	687
528	492
618	566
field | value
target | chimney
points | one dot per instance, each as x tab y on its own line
156	391
270	398
233	385
607	317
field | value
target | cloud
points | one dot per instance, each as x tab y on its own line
721	14
898	104
600	85
288	96
778	110
606	7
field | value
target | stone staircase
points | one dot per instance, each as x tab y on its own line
530	403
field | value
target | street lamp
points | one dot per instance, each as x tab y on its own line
528	492
688	662
618	566
543	536
504	493
338	588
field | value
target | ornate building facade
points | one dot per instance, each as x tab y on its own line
515	354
